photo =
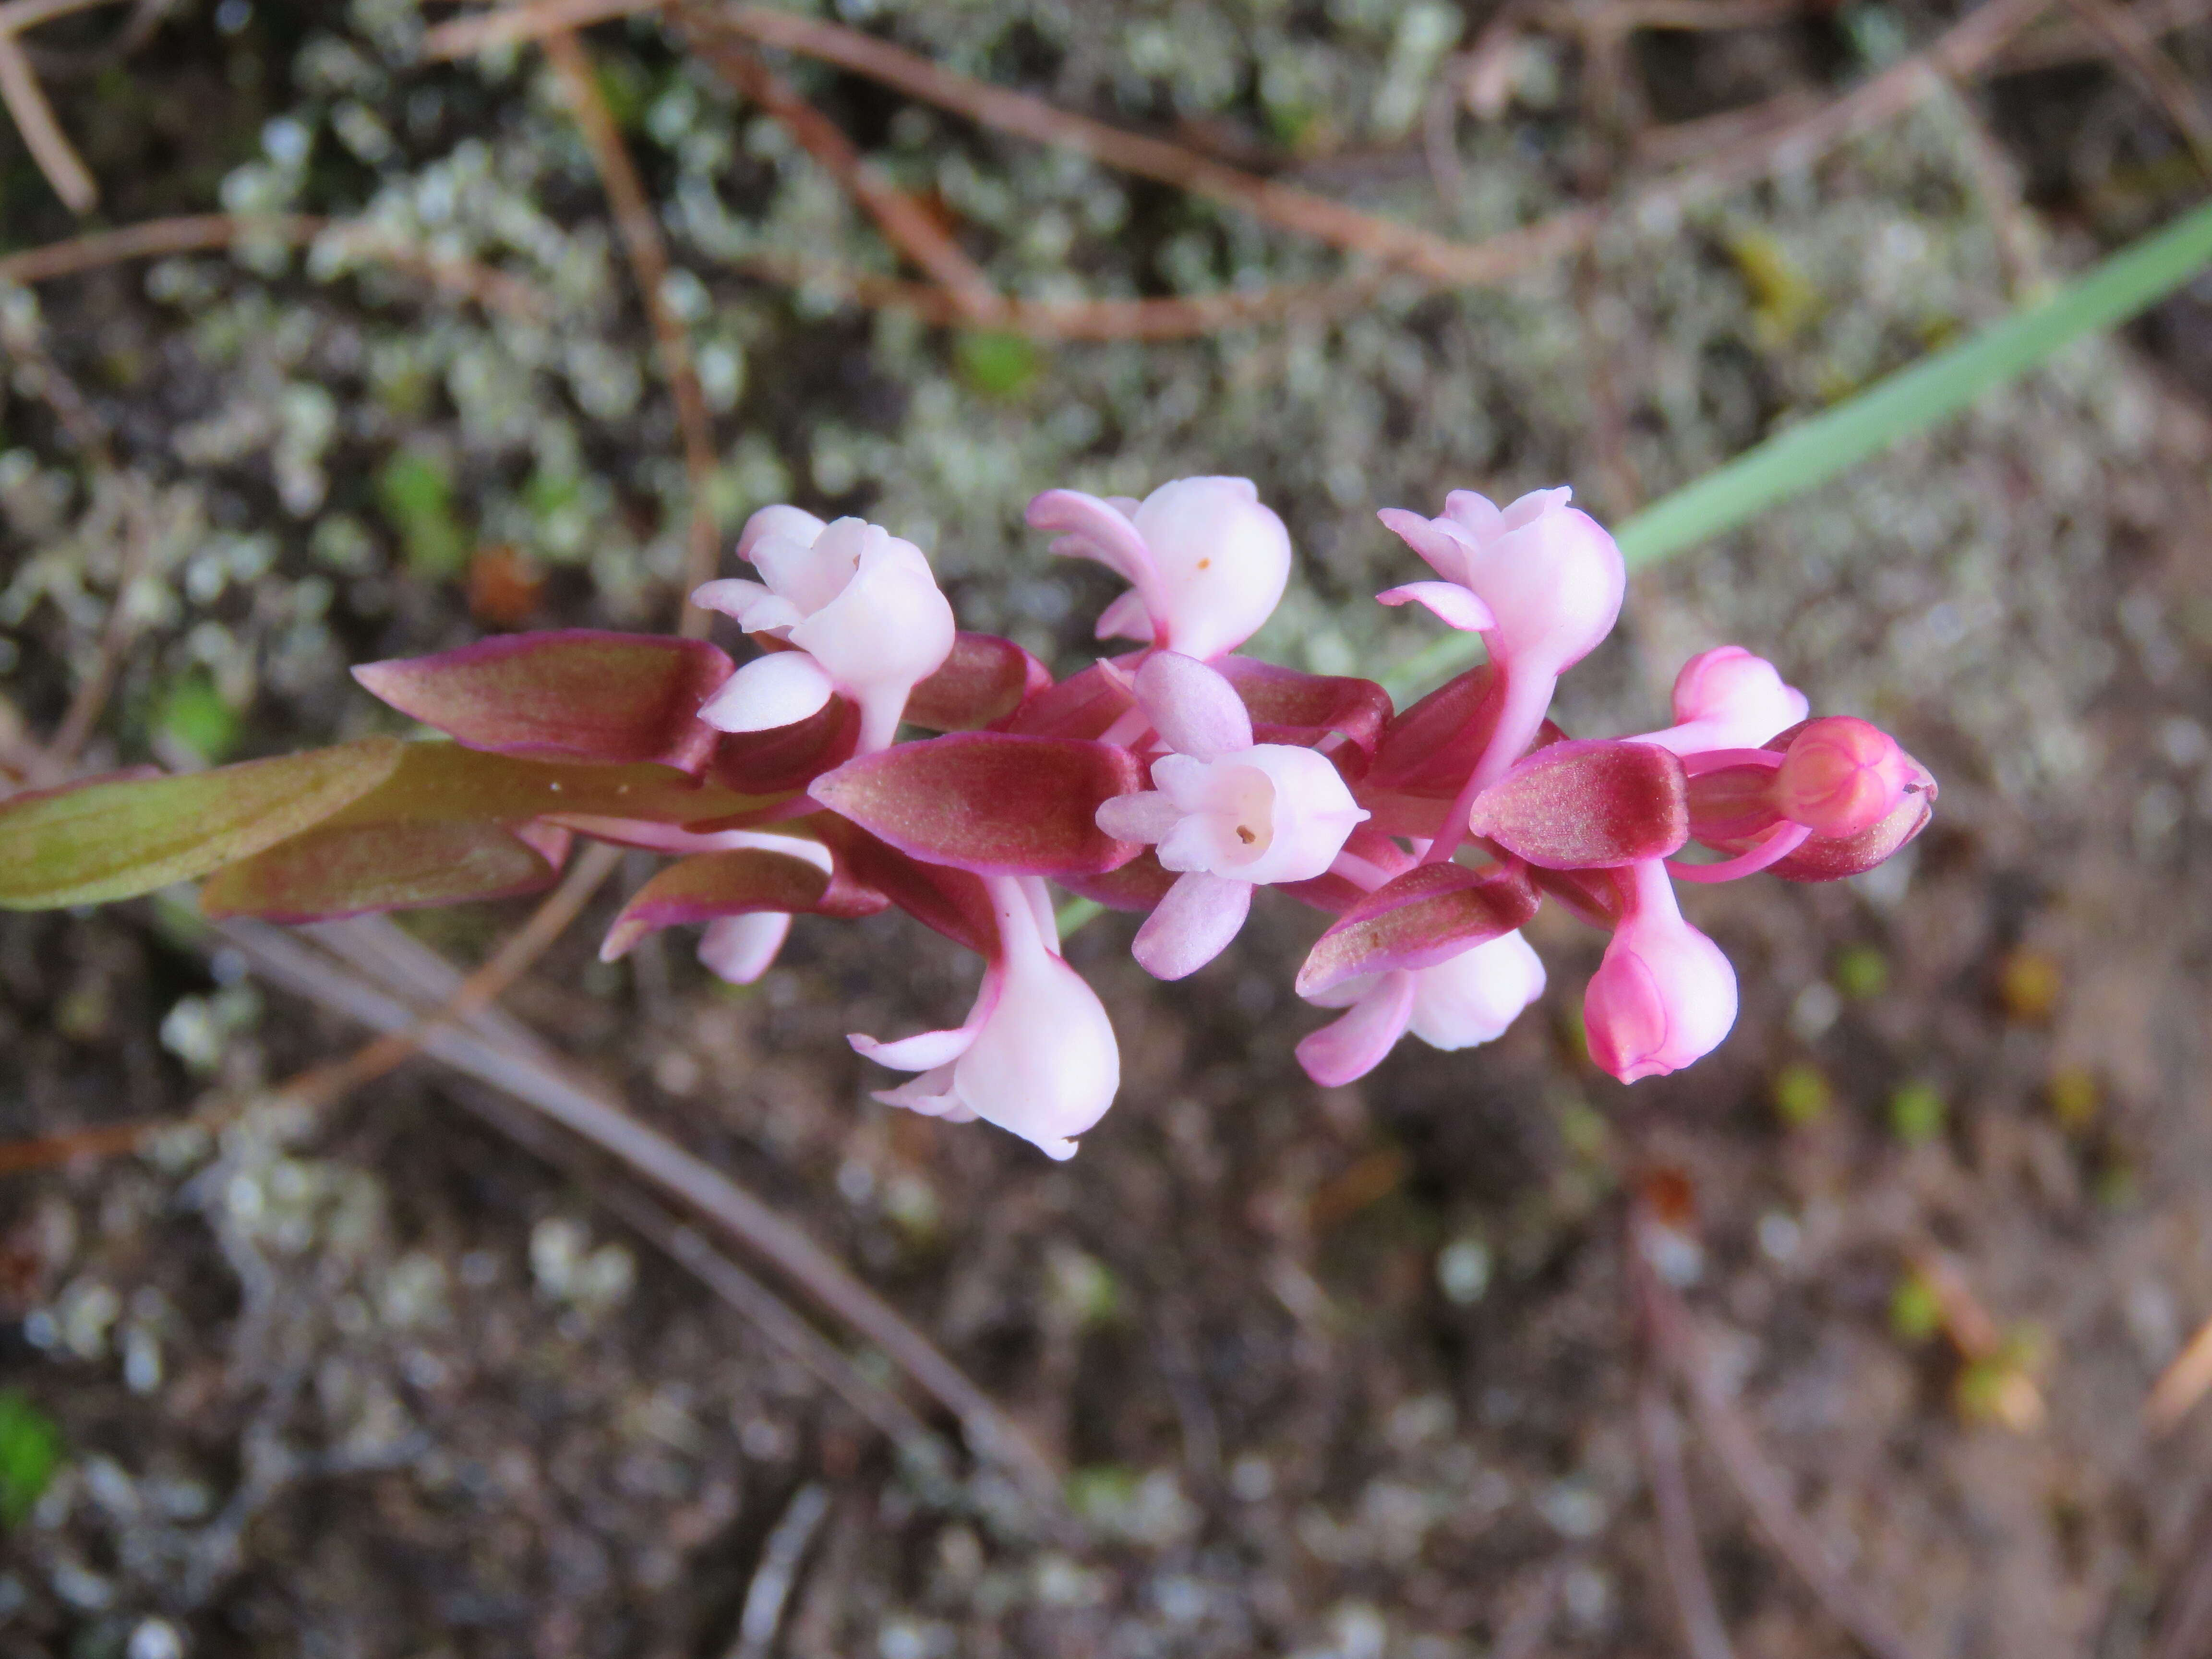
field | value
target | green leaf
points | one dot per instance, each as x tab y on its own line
115	839
1909	401
30	1452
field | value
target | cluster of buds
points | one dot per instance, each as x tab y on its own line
1172	780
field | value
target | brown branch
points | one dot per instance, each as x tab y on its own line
1168	317
519	1065
2182	1384
42	135
202	233
2130	46
1764	1490
1659	1432
2068	41
90	699
648	260
905	223
325	1084
20	15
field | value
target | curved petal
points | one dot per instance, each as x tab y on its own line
740	949
790	524
1349	1048
1125	619
1445	544
1091	529
1193	925
932	1095
1450	601
924	1051
1194	709
780	689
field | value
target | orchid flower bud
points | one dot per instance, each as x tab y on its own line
1036	1056
1546	580
1228	814
1207	560
860	606
1664	995
1841	777
1727	698
738	950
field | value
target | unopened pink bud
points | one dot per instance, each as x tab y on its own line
1841	777
1664	995
1727	698
1472	997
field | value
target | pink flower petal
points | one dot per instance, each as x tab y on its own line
1195	710
1125	619
1348	1048
1148	816
1445	544
1193	925
780	689
1091	529
1450	601
788	523
740	949
924	1051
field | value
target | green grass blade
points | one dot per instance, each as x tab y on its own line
1911	400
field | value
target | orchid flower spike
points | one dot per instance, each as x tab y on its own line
1228	814
1205	560
1459	1003
1541	581
1727	698
1036	1055
860	608
1664	995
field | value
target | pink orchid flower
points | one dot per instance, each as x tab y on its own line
1541	582
1205	560
1228	814
1036	1056
1664	995
1727	698
738	950
1459	1003
859	606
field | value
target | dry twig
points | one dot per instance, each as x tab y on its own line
42	135
202	233
86	703
2182	1384
1679	1344
1659	1432
904	221
540	1082
2131	45
648	261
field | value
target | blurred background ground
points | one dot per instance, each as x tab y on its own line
1350	1372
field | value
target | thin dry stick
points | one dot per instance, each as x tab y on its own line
2069	42
200	233
42	135
2182	1384
1677	1341
648	261
44	1152
2130	44
904	221
1996	184
683	1245
1174	318
325	1084
90	699
1285	205
21	15
1659	1433
597	1117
